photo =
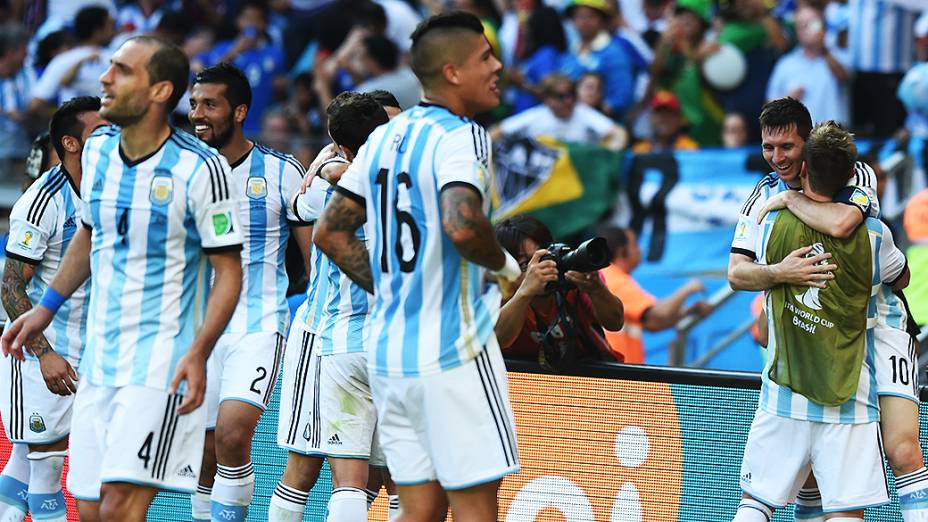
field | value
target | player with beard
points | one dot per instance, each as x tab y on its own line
156	211
243	368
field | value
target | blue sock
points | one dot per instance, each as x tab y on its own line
13	493
913	495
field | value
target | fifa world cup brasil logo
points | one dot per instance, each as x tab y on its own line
809	298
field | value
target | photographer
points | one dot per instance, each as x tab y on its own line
532	315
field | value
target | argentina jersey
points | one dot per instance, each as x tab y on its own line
887	263
336	308
262	181
152	221
42	223
432	310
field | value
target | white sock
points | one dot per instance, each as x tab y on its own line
347	505
394	508
199	503
371	497
232	492
46	500
913	495
14	485
809	506
750	510
287	504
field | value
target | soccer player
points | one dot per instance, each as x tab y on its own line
785	125
817	403
339	407
156	211
436	372
242	369
36	394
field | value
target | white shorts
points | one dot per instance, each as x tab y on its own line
31	413
896	363
243	367
298	426
133	434
455	427
847	460
349	419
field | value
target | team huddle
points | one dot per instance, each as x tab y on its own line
145	279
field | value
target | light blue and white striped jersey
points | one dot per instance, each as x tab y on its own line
337	309
15	90
153	222
432	310
881	36
887	262
263	181
860	191
42	223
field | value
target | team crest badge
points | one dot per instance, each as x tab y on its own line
860	198
162	190
256	187
36	423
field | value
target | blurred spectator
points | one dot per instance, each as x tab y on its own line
254	52
666	126
142	16
402	20
597	51
380	60
16	82
921	37
590	90
561	118
77	71
643	311
649	18
175	27
734	131
42	156
676	68
545	49
811	73
49	47
61	14
276	131
915	222
881	41
527	318
489	15
303	110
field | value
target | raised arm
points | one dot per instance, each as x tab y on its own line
794	269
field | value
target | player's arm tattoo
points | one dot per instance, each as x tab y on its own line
336	236
468	227
16	275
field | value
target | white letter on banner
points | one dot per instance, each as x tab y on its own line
627	506
550	492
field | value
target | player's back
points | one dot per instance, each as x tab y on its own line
151	219
432	311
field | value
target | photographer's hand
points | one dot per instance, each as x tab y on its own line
589	282
608	309
538	274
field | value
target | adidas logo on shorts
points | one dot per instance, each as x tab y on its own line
335	440
187	472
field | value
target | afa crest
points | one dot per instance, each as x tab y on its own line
860	198
256	187
162	190
36	423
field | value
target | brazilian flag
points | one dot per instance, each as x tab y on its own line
568	186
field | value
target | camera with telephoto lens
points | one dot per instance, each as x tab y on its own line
590	256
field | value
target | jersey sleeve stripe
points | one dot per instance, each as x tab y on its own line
22	258
758	189
744	252
221	249
351	195
46	193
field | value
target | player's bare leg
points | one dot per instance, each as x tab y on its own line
122	502
199	502
899	428
289	499
349	499
88	511
46	500
234	484
423	503
475	504
378	476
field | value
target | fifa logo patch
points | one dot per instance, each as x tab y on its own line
162	190
222	224
26	242
256	187
36	423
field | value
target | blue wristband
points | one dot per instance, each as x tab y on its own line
52	300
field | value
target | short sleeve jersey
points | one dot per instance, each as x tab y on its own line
432	311
152	222
42	223
263	181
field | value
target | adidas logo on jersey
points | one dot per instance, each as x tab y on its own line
746	477
187	472
335	441
69	223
